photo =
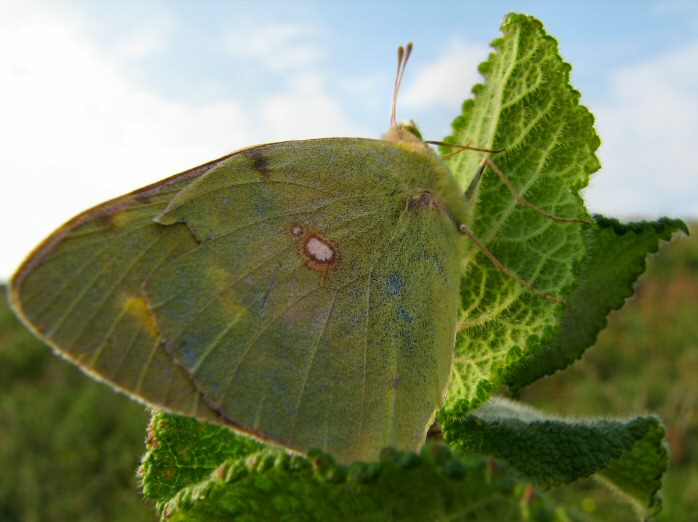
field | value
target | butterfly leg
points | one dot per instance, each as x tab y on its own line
465	230
460	148
486	162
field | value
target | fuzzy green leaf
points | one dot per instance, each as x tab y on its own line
630	455
528	107
200	472
616	259
182	451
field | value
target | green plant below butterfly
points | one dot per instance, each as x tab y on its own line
337	293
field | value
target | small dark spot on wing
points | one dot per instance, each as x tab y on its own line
395	283
188	354
404	315
260	162
265	297
106	220
143	197
394	382
427	199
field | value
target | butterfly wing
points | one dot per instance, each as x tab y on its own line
303	292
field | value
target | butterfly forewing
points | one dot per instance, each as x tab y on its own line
293	289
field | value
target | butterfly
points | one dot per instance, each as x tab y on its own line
304	293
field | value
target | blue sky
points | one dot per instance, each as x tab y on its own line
99	98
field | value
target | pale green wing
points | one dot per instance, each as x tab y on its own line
306	292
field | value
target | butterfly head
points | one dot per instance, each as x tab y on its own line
405	132
410	127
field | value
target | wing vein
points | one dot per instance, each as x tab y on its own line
252	343
113	287
78	273
312	360
300	211
260	182
118	318
398	229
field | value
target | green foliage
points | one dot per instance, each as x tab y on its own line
616	258
528	107
551	451
644	360
68	445
268	484
182	451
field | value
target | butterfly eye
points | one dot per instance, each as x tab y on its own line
411	127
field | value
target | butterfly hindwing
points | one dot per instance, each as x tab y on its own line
301	291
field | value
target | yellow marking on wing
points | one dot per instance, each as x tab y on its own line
220	277
119	219
138	307
224	280
229	303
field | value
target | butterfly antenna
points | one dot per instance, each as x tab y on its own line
465	230
403	54
461	148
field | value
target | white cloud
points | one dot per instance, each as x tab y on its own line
75	132
307	110
279	47
444	81
649	132
304	106
147	37
367	85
